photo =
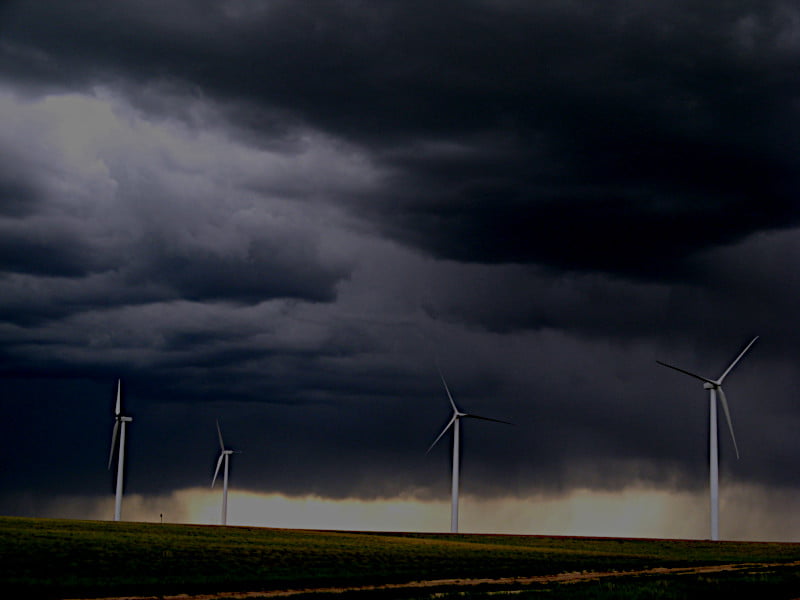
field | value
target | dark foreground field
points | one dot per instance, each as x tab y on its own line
88	559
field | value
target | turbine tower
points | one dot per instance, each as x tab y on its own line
119	418
223	456
714	386
455	423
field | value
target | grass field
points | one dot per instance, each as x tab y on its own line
82	559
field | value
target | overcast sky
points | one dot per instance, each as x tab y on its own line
284	214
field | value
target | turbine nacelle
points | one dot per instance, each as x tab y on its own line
223	456
454	423
118	430
118	418
714	386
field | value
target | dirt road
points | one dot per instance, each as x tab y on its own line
435	583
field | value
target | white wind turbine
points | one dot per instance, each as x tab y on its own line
714	386
456	425
118	418
224	455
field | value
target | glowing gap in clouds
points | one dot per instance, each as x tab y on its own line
311	512
751	513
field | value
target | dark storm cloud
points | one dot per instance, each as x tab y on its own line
18	254
285	214
283	268
732	292
16	197
672	125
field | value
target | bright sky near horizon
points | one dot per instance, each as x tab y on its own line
750	514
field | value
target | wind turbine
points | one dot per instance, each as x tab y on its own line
714	386
223	456
455	423
118	418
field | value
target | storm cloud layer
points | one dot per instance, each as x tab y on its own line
285	214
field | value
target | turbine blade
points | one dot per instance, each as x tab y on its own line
446	427
738	358
219	432
447	389
488	419
219	464
689	373
724	401
113	443
119	398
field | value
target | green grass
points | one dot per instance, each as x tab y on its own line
59	558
